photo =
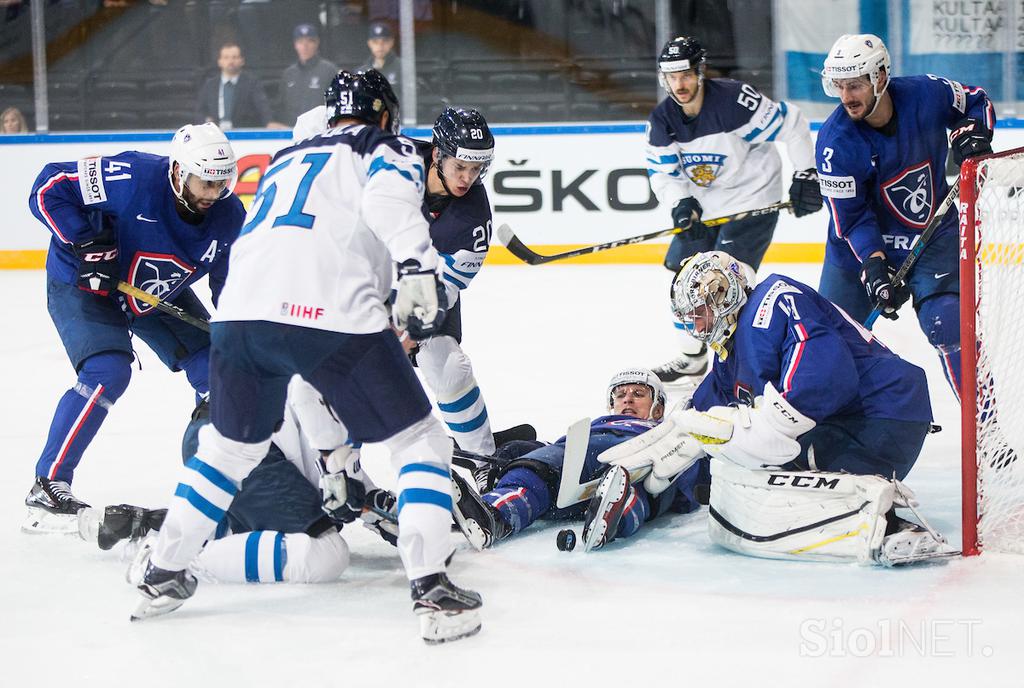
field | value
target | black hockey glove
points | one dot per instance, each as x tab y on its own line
969	137
686	211
380	515
420	303
804	192
97	265
876	276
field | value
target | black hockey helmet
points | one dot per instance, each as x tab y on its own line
682	53
365	96
463	134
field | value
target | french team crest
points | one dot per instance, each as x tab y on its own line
160	274
702	168
910	195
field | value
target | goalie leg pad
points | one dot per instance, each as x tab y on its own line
806	516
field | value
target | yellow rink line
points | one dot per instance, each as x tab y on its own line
499	255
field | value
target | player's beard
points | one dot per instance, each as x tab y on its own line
865	111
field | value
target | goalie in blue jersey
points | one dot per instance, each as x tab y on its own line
526	487
157	223
812	423
881	160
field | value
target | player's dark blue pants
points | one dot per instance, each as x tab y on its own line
863	446
745	240
935	286
97	335
526	490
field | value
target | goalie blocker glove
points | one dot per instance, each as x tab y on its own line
876	276
804	192
421	303
968	138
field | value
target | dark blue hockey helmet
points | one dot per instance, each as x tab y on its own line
365	96
463	134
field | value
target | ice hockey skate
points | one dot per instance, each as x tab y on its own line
52	509
118	522
605	509
479	521
447	612
684	369
162	591
912	543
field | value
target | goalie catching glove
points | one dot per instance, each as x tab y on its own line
420	305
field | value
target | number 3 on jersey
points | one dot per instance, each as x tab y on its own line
267	195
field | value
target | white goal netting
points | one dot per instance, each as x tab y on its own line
998	432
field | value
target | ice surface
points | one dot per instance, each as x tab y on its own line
666	607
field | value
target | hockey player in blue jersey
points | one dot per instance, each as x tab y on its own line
808	417
157	223
309	278
526	487
881	160
459	213
710	153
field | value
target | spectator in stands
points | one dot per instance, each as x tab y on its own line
13	121
233	99
382	57
303	83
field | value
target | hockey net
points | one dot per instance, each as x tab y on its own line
991	308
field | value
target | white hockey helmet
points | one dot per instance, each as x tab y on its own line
638	376
854	55
711	284
204	151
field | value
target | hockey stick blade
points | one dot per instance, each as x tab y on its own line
524	253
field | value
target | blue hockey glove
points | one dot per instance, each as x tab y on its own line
804	192
98	269
876	276
969	137
421	303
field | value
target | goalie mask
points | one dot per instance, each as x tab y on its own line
638	376
855	55
679	55
462	134
707	295
201	151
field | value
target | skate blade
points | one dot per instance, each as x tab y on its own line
148	608
594	537
42	522
444	627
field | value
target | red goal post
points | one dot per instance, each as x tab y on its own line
992	351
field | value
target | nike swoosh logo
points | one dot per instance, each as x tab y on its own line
727	241
940	275
144	219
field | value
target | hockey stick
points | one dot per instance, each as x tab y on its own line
900	278
163	306
521	251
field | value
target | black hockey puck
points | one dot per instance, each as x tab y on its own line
566	540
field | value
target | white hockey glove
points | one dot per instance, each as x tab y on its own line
420	305
343	484
763	436
668	449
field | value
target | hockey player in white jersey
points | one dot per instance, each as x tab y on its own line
710	153
306	294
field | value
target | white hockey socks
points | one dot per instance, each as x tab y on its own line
208	484
449	373
422	454
266	556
